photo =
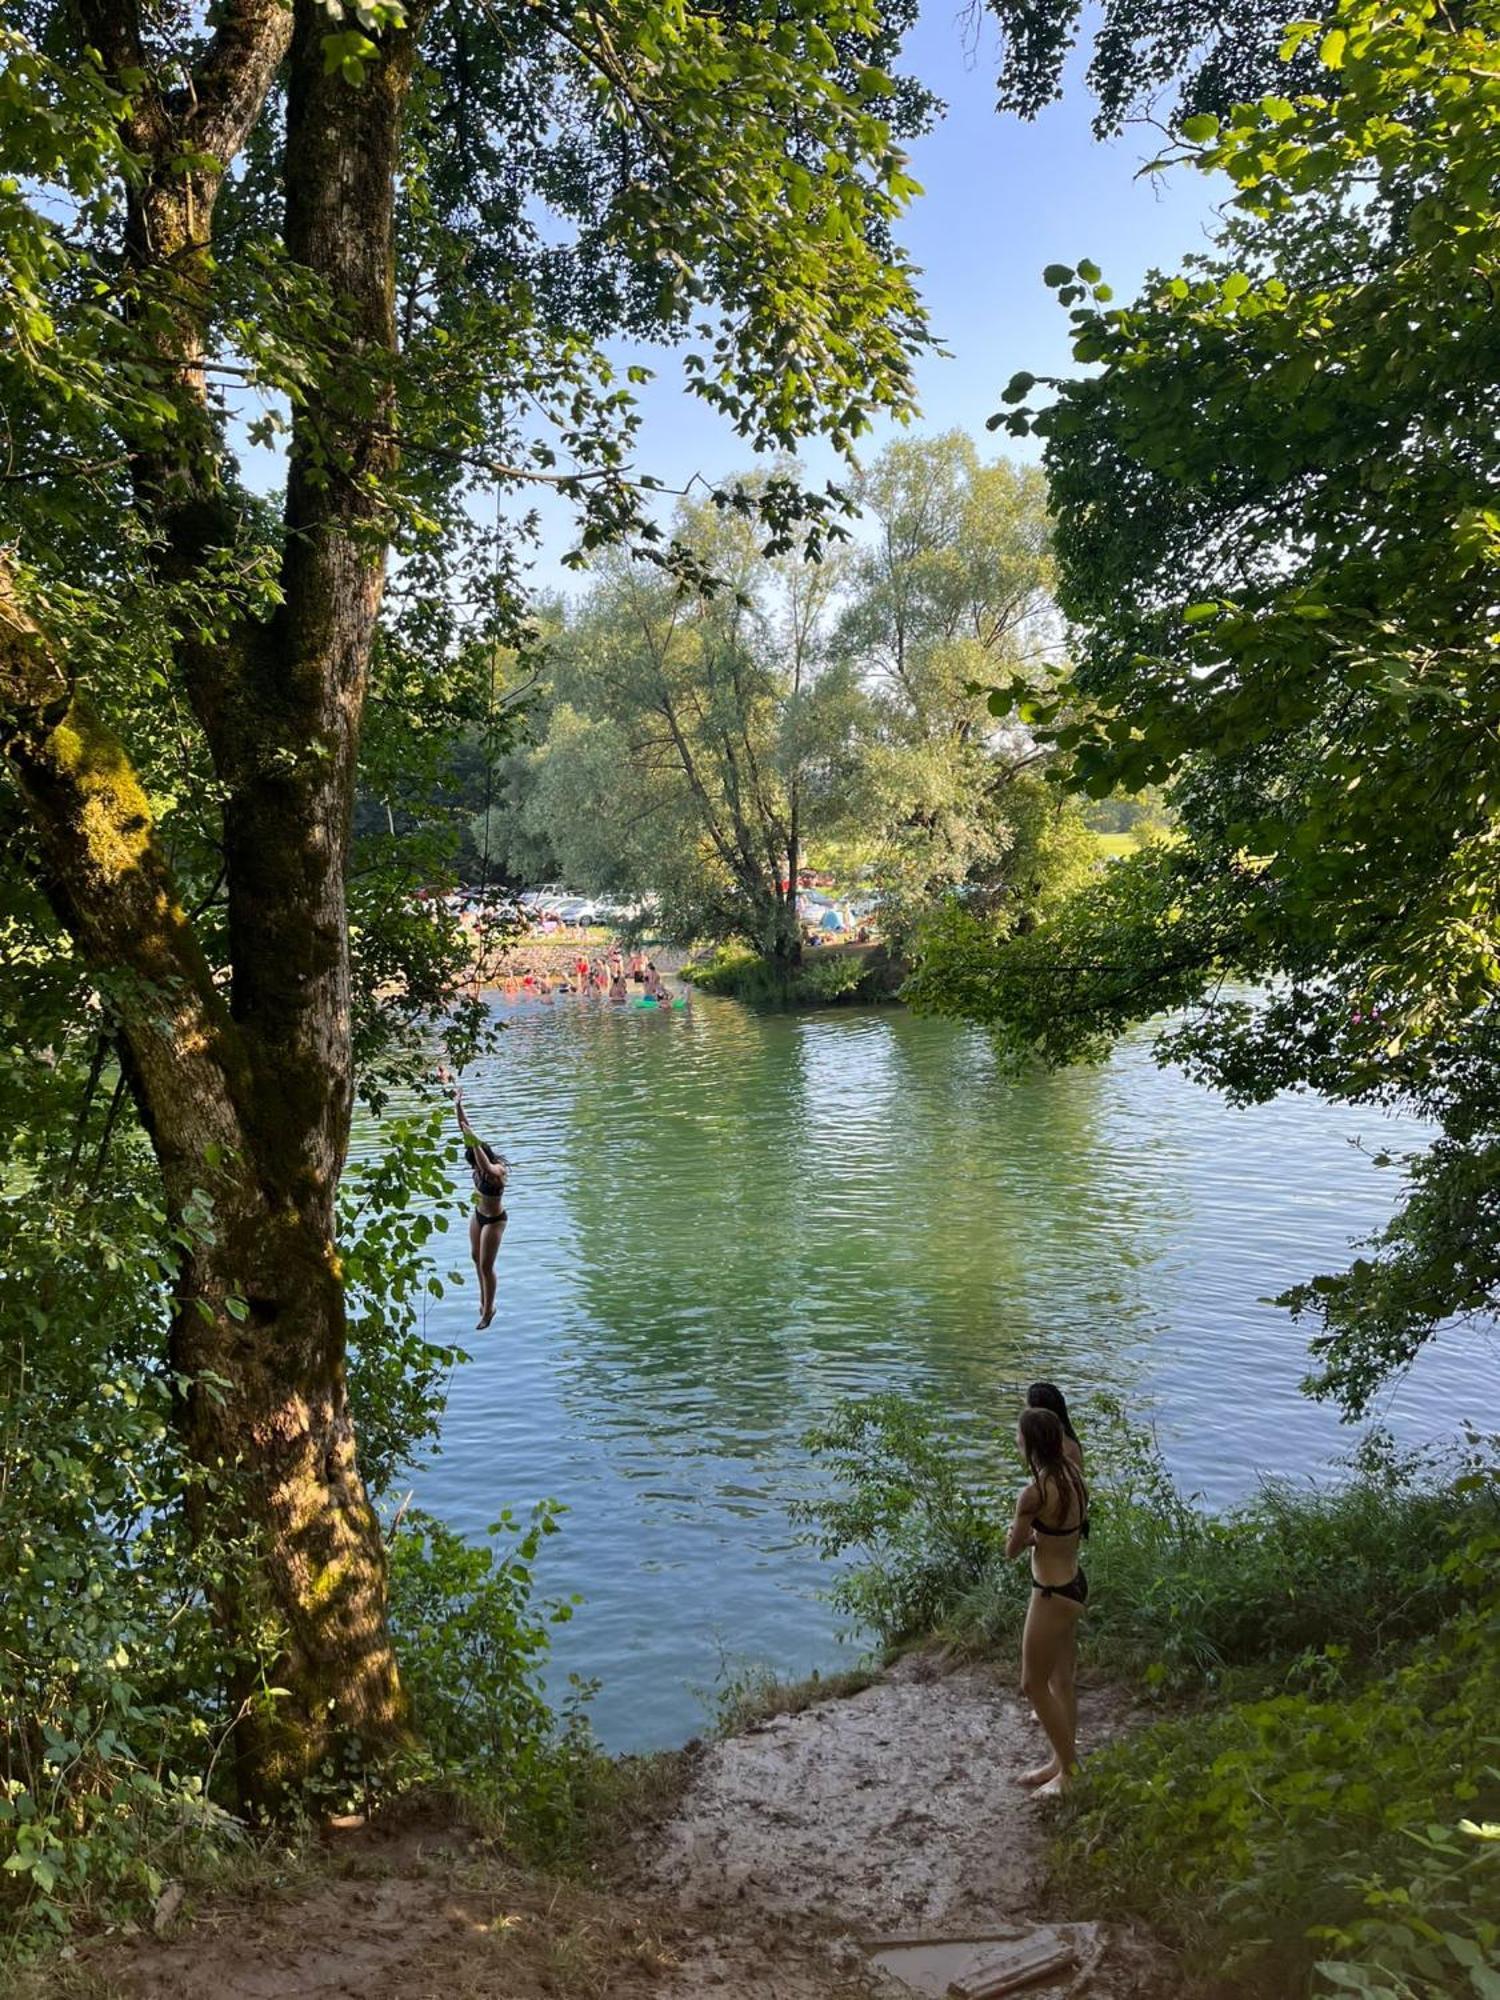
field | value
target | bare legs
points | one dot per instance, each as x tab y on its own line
1049	1661
485	1234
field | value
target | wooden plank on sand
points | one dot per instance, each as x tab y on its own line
1013	1967
1000	1935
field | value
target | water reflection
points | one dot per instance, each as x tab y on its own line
722	1222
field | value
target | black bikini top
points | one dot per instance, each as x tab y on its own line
1079	1528
488	1180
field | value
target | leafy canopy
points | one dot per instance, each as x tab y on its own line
1278	547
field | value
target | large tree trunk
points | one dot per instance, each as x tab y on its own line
247	1102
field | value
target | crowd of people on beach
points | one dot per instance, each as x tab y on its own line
609	977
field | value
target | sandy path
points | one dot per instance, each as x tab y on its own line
892	1813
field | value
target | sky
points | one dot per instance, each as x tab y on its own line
1001	200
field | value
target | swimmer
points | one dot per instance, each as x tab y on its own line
491	1170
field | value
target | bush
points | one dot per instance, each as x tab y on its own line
928	1531
473	1645
1301	1577
111	1712
835	978
1305	1578
1303	1839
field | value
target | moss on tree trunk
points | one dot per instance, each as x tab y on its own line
247	1099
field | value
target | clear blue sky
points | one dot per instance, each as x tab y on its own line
1001	200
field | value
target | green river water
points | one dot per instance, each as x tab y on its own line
722	1222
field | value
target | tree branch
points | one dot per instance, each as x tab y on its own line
110	885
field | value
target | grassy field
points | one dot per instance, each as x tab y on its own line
1115	846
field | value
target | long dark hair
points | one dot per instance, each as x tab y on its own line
1047	1396
1042	1440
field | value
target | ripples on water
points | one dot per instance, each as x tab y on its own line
722	1222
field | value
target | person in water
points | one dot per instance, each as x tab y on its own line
1047	1396
1051	1518
491	1170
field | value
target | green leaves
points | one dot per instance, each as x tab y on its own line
1274	514
474	1644
349	51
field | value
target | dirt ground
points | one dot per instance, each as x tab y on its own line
893	1810
795	1850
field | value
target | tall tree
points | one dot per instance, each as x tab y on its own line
1212	54
949	591
338	207
1278	543
703	739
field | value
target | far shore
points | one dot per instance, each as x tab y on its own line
558	955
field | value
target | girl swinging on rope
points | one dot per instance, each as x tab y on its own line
487	1223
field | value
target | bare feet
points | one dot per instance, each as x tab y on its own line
483	1321
1057	1785
1041	1775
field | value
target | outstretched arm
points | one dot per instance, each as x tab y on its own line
470	1136
445	1077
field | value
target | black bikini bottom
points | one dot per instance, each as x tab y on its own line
481	1218
1076	1589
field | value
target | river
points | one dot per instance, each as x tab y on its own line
722	1222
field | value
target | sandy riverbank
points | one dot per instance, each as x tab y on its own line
866	1846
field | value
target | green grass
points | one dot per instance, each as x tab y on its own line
1120	846
755	1695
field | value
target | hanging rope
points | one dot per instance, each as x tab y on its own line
489	709
494	709
482	923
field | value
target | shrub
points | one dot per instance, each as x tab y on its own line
836	978
928	1531
111	1715
1302	1578
473	1644
1301	1838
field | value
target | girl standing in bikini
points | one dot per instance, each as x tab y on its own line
1051	1518
487	1222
